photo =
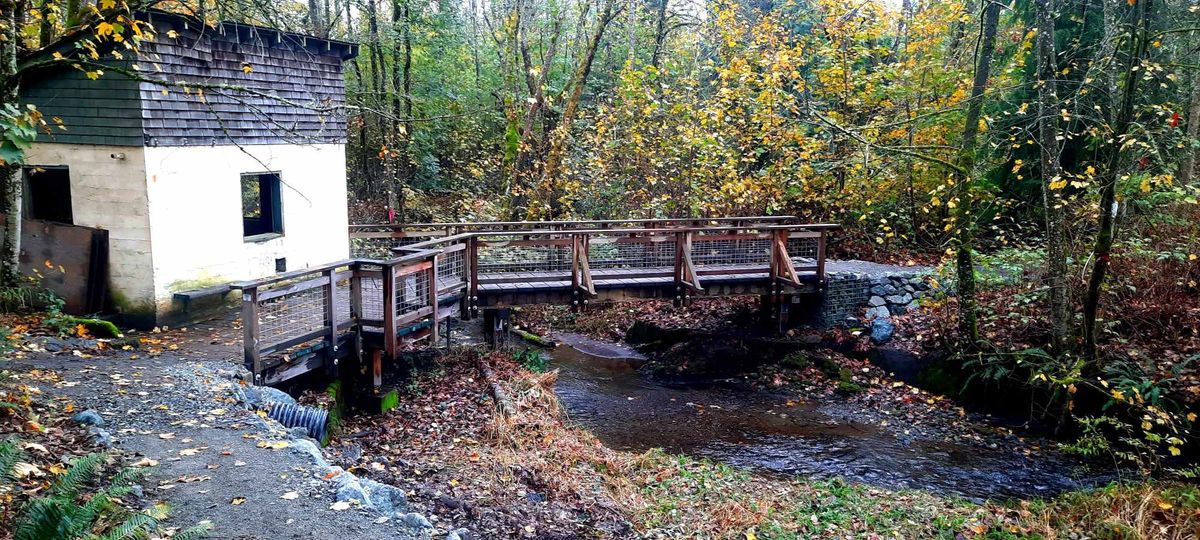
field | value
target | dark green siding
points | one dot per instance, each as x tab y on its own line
102	111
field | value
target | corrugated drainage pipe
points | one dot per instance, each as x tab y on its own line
291	415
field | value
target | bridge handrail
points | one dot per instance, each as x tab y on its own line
309	312
556	223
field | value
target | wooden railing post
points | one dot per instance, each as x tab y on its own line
388	275
472	258
356	313
680	239
821	260
253	358
433	301
330	276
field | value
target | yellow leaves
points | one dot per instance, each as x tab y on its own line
274	445
246	67
1174	450
108	4
104	29
237	501
1191	417
1117	394
1057	183
172	34
1164	505
1145	186
750	535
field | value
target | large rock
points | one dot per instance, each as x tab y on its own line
882	330
88	418
899	299
878	312
386	499
876	301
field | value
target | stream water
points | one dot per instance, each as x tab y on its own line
604	392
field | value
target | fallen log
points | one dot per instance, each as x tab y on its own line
503	403
535	339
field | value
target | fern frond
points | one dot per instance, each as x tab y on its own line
128	477
137	526
45	518
82	469
87	514
195	532
10	454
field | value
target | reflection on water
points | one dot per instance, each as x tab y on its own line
758	430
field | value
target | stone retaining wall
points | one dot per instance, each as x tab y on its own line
883	296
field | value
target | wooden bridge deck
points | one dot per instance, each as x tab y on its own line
298	321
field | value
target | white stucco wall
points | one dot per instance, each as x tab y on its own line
196	212
111	194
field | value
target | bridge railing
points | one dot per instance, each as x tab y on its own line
376	240
295	322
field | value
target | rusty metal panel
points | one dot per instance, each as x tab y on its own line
71	260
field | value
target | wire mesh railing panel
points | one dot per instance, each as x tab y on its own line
731	252
342	301
494	259
372	298
452	268
604	254
802	249
412	292
379	248
291	316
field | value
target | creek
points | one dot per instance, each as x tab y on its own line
602	389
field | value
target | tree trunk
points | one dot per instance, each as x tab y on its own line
968	310
316	17
660	33
10	250
1048	105
558	138
1139	17
1187	166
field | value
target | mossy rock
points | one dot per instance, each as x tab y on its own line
848	388
96	327
795	360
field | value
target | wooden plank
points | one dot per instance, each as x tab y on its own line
402	271
389	312
433	296
250	331
331	308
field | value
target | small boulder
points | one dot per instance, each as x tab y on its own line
100	436
413	519
876	301
882	330
88	418
878	312
899	299
386	499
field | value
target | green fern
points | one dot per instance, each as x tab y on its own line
10	454
82	469
194	532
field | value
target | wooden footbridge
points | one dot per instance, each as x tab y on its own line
406	282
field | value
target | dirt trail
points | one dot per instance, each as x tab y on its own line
217	460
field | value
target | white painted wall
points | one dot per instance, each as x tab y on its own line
196	212
111	194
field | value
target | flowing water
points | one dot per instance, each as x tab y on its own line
603	391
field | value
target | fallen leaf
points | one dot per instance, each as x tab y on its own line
237	500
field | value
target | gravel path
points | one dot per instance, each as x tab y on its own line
872	269
216	459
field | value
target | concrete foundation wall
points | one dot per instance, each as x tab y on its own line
110	193
196	213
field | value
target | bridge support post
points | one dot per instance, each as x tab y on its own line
495	326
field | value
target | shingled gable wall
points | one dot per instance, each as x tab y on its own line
182	156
